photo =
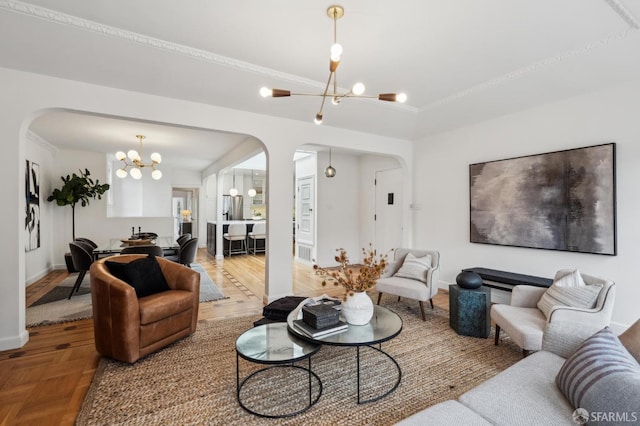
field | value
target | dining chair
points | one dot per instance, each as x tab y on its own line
88	241
82	256
187	252
236	232
144	249
183	238
259	232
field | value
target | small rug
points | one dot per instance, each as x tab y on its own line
57	308
193	381
209	291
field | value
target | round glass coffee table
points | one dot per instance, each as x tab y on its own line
384	326
272	344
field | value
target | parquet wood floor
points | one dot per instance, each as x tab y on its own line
45	382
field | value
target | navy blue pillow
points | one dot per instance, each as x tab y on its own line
144	275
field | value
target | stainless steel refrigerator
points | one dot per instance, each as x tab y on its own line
232	207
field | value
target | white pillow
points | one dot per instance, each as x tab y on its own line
415	268
571	279
569	290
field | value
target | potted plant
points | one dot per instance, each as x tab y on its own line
357	307
77	188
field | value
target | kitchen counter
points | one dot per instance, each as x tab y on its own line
212	227
229	222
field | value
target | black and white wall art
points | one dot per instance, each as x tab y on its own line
564	200
32	197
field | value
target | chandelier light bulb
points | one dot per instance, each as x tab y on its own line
156	158
401	97
120	155
251	193
336	51
318	119
335	100
133	155
265	92
233	192
156	174
358	89
121	173
135	173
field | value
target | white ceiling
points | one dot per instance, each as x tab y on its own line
459	62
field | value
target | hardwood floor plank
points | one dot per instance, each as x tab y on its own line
46	381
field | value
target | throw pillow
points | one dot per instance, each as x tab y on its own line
415	268
601	377
631	340
571	279
144	275
569	290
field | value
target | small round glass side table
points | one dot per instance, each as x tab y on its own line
273	345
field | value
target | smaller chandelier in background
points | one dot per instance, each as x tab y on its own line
132	160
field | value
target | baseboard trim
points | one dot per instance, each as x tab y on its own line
14	342
40	275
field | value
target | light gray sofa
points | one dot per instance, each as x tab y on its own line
523	394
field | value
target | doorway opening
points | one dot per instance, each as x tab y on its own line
184	208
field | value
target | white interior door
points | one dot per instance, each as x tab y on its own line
388	210
305	225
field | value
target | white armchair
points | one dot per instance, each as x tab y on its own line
525	323
407	287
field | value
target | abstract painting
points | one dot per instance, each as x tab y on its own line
564	200
32	197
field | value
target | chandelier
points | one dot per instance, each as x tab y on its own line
132	160
334	12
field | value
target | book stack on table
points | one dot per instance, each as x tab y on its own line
320	320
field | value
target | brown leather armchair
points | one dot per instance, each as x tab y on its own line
127	328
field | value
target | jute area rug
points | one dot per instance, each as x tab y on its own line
54	307
194	380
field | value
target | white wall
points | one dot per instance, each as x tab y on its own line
337	208
26	95
39	262
442	188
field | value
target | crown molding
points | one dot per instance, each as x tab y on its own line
38	140
624	13
156	43
617	7
530	69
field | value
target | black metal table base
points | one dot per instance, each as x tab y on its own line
395	386
312	402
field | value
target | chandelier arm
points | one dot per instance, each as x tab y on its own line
324	95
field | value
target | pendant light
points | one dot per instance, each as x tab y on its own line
252	191
133	161
331	89
233	191
329	171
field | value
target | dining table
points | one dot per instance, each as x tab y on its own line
115	245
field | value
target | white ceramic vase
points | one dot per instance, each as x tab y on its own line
358	309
